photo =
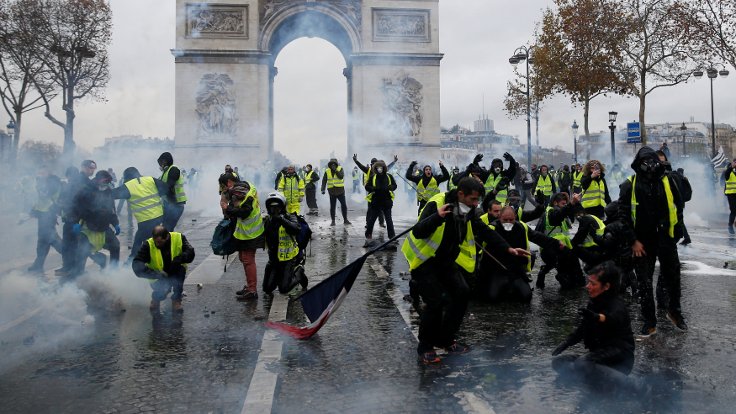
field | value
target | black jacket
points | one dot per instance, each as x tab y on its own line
442	177
455	232
614	332
385	184
273	223
69	191
96	208
516	238
170	267
586	180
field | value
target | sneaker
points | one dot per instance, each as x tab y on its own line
155	306
35	269
176	306
248	296
647	331
457	348
429	358
347	222
677	320
242	291
730	230
333	222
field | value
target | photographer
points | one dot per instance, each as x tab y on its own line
283	269
595	189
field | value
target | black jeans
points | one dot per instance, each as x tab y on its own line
374	212
445	293
569	274
732	207
143	233
47	238
343	205
507	286
69	243
609	364
311	192
665	249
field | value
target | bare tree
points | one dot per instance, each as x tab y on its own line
21	70
75	36
577	45
659	50
713	24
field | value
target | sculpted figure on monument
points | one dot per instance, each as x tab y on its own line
403	104
216	107
351	8
206	20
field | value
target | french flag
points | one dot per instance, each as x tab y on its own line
322	300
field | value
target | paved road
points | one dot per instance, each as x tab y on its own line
99	350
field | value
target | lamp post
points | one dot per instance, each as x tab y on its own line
612	119
683	128
712	74
575	141
523	53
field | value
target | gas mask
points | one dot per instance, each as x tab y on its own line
161	167
507	226
103	186
651	168
274	210
497	170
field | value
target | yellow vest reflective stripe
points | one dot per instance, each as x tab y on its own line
731	184
96	238
308	176
356	175
577	178
43	204
589	242
558	232
417	251
145	203
179	193
252	226
369	197
334	181
288	248
292	187
426	193
491	184
544	184
450	185
157	259
595	195
672	209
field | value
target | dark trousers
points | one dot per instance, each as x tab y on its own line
665	249
47	238
423	203
311	192
569	273
732	207
591	256
172	213
282	275
609	365
143	233
112	245
174	282
343	205
501	287
445	293
374	212
68	245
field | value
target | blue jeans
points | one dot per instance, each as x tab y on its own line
162	287
172	213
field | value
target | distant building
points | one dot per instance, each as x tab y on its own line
133	150
460	145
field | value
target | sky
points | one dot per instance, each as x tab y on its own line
476	37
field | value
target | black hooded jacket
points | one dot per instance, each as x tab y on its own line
614	332
652	213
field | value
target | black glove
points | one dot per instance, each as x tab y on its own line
478	158
540	198
561	347
507	157
588	315
413	163
176	261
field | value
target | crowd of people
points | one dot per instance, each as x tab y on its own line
473	234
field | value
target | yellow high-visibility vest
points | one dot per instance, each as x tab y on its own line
595	195
333	181
671	207
145	203
179	193
426	193
252	226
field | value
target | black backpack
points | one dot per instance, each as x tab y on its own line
223	241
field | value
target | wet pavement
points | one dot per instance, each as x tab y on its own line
112	356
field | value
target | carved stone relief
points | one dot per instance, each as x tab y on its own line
403	25
216	108
217	20
350	8
402	102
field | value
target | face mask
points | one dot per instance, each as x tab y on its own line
507	226
379	170
463	208
497	170
161	167
103	187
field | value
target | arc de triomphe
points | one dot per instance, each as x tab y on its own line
225	54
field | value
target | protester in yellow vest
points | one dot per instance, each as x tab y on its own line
427	183
595	189
334	182
241	204
292	187
163	261
46	210
585	246
144	195
556	224
729	177
650	203
176	197
285	268
577	176
545	184
380	188
441	250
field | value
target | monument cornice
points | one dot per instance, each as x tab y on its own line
220	56
399	59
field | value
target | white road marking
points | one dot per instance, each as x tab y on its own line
19	320
210	270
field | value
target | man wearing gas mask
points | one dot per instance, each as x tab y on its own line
650	202
505	275
284	268
441	251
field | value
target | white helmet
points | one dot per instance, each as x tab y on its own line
275	197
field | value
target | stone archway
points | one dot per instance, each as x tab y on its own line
225	55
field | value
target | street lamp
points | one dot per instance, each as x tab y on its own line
612	119
575	140
683	128
523	53
712	74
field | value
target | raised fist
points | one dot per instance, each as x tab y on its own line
478	158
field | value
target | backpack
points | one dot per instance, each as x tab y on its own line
305	234
223	241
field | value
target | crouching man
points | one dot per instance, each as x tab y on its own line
163	260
